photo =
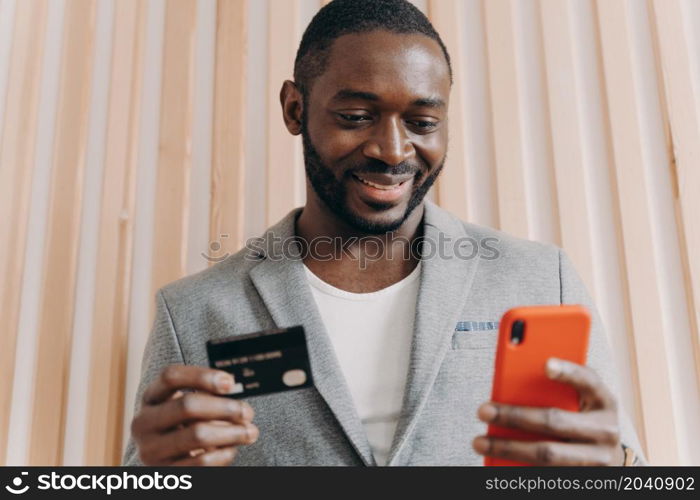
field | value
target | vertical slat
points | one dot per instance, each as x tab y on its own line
7	23
80	369
448	19
684	148
610	286
175	155
60	254
674	40
228	149
482	199
636	225
505	102
202	143
565	100
256	120
141	301
19	436
535	125
283	150
17	146
110	318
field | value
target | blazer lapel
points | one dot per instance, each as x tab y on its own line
283	287
445	283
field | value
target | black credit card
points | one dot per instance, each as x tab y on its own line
263	362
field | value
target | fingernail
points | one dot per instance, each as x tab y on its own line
252	432
248	412
224	383
554	367
487	412
481	444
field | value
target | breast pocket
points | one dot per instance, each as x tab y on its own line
463	384
480	339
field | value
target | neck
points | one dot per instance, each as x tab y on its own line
355	260
318	221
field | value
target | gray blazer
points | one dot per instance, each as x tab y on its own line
460	301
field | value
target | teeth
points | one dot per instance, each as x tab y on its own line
380	186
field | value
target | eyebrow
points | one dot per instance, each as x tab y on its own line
429	102
426	102
355	94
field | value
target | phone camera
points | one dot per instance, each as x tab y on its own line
517	333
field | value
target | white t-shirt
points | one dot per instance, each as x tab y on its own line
372	335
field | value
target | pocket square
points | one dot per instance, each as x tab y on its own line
473	326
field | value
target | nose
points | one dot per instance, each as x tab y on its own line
389	143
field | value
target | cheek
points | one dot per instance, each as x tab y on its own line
432	148
335	144
342	143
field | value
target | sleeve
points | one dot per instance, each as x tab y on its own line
162	349
573	291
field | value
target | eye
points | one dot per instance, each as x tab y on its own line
354	118
424	125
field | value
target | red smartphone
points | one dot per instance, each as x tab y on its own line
527	338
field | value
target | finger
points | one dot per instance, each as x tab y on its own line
177	395
212	422
598	426
175	444
220	422
590	387
192	407
544	452
175	377
200	451
218	456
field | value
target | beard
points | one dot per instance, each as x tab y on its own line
333	192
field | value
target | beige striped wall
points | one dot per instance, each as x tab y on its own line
137	135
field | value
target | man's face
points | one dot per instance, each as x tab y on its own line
375	127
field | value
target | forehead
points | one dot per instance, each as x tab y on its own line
387	64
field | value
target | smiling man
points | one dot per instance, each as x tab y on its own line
401	341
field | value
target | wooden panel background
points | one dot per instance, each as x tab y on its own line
619	54
62	233
574	122
113	277
16	167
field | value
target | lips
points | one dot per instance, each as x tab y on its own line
384	182
382	188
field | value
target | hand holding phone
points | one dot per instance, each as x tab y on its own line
547	407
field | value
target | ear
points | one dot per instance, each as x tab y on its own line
292	106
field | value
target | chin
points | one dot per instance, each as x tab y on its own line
376	221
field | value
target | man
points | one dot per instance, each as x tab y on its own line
401	344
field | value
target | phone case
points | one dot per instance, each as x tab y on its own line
519	375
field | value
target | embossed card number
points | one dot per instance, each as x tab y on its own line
263	362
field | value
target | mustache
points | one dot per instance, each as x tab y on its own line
379	167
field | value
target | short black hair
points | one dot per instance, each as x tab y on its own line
343	17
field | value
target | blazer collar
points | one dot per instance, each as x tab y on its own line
280	280
446	277
445	281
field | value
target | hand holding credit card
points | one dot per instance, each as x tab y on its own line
187	416
184	420
263	362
